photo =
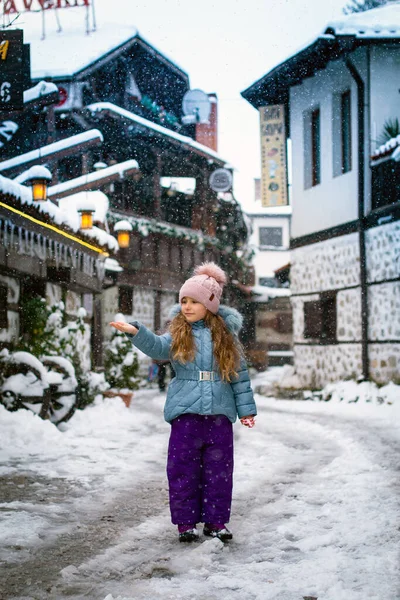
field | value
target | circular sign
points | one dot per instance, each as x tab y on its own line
63	95
221	180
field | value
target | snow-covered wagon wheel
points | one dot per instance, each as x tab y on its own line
24	383
63	387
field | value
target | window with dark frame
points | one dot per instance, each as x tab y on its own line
315	147
271	236
125	300
345	119
3	307
320	318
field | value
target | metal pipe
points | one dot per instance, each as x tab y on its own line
361	219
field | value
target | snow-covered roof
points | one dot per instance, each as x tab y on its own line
59	216
71	204
339	38
391	148
120	169
268	211
35	172
263	293
108	107
111	264
43	88
93	135
74	38
381	22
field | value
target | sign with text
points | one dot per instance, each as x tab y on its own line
18	6
11	70
273	156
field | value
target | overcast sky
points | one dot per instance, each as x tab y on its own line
226	45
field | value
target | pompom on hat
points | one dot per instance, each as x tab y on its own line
205	286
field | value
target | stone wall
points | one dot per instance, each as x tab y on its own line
318	365
334	265
168	299
383	252
329	265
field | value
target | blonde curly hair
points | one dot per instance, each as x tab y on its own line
227	349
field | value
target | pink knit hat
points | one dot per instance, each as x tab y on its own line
205	286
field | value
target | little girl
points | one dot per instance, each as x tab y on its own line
210	389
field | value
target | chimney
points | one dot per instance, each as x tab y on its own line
207	133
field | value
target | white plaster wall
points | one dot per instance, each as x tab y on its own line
318	365
334	200
328	265
267	261
384	362
384	311
385	77
383	252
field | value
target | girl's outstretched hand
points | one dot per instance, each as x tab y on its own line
124	327
248	421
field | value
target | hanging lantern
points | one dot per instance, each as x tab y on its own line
123	229
86	208
38	178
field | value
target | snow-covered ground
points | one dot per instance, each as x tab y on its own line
315	512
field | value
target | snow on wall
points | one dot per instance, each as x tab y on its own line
13	286
383	252
10	334
72	303
53	294
328	265
318	365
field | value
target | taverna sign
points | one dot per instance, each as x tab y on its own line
19	6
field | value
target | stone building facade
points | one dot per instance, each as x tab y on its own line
340	95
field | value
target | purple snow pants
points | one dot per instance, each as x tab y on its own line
200	469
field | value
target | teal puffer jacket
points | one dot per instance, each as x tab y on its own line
186	393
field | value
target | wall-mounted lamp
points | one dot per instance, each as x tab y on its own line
38	177
123	229
86	209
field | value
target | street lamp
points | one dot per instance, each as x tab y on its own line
123	228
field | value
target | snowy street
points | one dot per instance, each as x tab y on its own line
315	512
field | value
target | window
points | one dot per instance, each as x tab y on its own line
268	282
315	147
320	318
125	300
271	236
312	148
3	307
345	118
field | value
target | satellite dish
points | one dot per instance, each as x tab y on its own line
196	107
221	180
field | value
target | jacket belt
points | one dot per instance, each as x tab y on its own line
198	375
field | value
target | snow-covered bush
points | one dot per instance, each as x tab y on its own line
49	333
120	361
